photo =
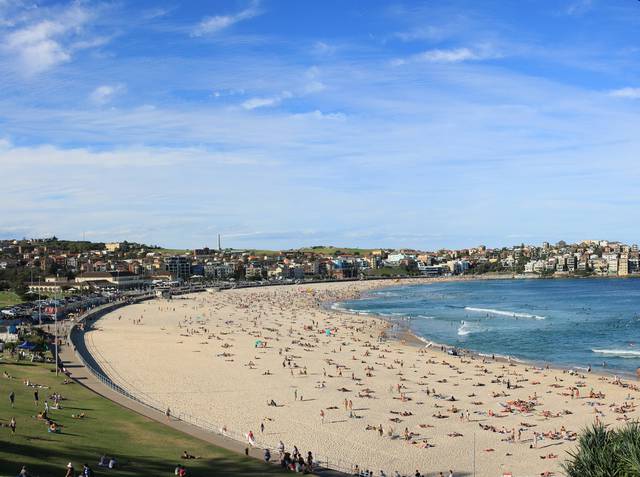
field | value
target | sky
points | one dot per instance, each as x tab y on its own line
286	123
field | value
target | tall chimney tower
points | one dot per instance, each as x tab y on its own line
219	245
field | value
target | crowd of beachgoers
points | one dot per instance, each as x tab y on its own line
275	364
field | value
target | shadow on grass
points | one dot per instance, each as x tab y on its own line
41	463
20	363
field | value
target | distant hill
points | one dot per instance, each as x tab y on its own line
331	250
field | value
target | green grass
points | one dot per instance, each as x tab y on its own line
8	298
143	447
172	251
260	253
322	250
332	250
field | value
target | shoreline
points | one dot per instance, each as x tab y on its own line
205	369
421	341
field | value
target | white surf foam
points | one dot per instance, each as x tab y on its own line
428	343
511	314
341	308
467	328
620	353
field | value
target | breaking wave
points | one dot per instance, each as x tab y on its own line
467	328
620	353
511	314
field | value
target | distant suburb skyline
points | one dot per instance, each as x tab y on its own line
283	124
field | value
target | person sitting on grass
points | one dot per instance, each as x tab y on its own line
24	472
186	455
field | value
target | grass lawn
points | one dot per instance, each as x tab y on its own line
320	250
172	251
142	446
8	298
335	250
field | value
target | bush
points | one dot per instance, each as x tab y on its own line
605	452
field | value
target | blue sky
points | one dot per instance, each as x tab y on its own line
286	123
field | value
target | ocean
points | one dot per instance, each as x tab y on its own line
567	322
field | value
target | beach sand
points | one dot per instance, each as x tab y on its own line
197	354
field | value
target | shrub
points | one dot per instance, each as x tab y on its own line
603	452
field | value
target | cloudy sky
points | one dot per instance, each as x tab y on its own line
283	123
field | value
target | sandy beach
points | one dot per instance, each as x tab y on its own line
343	389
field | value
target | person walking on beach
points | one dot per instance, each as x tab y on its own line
168	414
280	449
322	415
12	398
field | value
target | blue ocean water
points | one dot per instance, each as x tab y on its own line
566	322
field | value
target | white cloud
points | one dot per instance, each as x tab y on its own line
105	93
449	56
317	114
629	93
49	155
578	7
36	47
323	48
212	25
422	33
453	55
49	39
254	103
154	13
313	84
